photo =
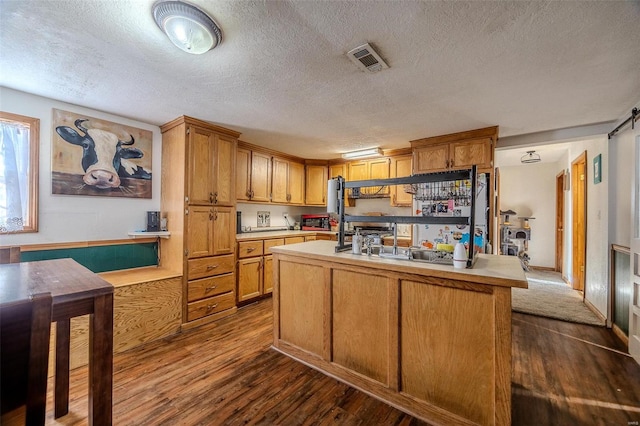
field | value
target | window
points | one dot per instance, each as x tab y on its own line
19	141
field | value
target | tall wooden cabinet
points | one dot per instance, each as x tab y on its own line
198	200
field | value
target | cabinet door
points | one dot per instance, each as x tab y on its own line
465	154
249	278
316	183
260	177
279	179
400	167
200	160
224	182
336	170
199	231
224	230
295	183
431	159
243	174
378	169
268	275
358	171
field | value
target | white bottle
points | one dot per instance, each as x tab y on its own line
356	244
459	256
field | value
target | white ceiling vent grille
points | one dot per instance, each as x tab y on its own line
367	59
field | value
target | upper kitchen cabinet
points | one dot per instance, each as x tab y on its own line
370	169
401	166
455	151
287	182
316	185
211	162
253	174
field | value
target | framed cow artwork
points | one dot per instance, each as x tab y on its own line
97	157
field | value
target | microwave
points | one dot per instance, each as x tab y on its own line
316	222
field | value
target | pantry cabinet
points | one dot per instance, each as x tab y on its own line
198	199
316	185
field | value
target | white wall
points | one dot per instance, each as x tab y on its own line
250	213
621	166
64	218
529	190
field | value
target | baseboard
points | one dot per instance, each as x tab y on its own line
623	337
566	280
595	311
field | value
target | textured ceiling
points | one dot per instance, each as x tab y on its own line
281	76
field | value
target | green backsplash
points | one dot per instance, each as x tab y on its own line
102	258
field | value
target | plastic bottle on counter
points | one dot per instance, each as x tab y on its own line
459	256
356	243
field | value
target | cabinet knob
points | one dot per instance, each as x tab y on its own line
215	214
211	307
211	267
215	198
250	249
208	289
210	214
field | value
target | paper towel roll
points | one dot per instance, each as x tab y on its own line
332	196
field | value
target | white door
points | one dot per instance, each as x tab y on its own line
634	304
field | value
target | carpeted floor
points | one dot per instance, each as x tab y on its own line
549	296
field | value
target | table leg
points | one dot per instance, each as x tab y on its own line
101	361
63	340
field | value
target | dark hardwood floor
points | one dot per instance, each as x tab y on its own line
225	373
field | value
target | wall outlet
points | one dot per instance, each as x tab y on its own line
285	215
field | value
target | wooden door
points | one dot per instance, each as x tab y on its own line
464	154
267	280
224	230
279	179
224	180
249	278
401	166
579	220
243	174
316	185
295	183
200	166
199	231
433	158
634	303
379	169
260	177
560	184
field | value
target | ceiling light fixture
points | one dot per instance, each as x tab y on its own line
530	157
188	27
373	152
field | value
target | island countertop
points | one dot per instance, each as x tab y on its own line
504	271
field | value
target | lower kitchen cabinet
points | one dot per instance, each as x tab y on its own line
210	287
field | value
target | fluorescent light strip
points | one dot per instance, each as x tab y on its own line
373	152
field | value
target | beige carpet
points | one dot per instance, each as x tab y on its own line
549	296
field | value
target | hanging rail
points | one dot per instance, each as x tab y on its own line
634	113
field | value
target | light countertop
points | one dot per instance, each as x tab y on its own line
278	234
504	271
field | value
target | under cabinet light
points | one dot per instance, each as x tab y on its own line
373	152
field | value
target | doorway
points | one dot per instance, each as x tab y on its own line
579	213
560	186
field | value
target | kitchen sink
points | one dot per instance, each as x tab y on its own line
433	256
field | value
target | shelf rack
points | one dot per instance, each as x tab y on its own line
471	174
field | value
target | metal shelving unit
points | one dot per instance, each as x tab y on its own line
470	174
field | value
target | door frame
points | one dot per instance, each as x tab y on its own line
579	222
560	187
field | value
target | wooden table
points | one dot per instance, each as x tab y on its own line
75	291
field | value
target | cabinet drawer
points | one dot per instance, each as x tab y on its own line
210	305
272	243
207	287
294	240
209	266
249	249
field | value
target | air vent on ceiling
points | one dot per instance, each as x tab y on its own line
367	59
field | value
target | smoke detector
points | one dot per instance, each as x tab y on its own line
367	59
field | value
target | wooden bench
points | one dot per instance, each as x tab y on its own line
147	306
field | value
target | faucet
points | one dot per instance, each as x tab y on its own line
395	239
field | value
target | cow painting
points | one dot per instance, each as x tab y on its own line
110	163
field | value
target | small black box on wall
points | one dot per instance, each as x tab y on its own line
153	221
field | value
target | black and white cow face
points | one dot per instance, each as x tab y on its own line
104	155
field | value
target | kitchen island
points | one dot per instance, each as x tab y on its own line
429	339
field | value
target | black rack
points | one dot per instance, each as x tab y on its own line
470	174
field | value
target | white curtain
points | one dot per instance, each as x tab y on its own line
14	176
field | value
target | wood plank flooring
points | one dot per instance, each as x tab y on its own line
225	374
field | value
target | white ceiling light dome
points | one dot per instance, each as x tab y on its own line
530	157
187	26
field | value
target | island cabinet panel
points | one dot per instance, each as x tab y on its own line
466	386
361	326
302	306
